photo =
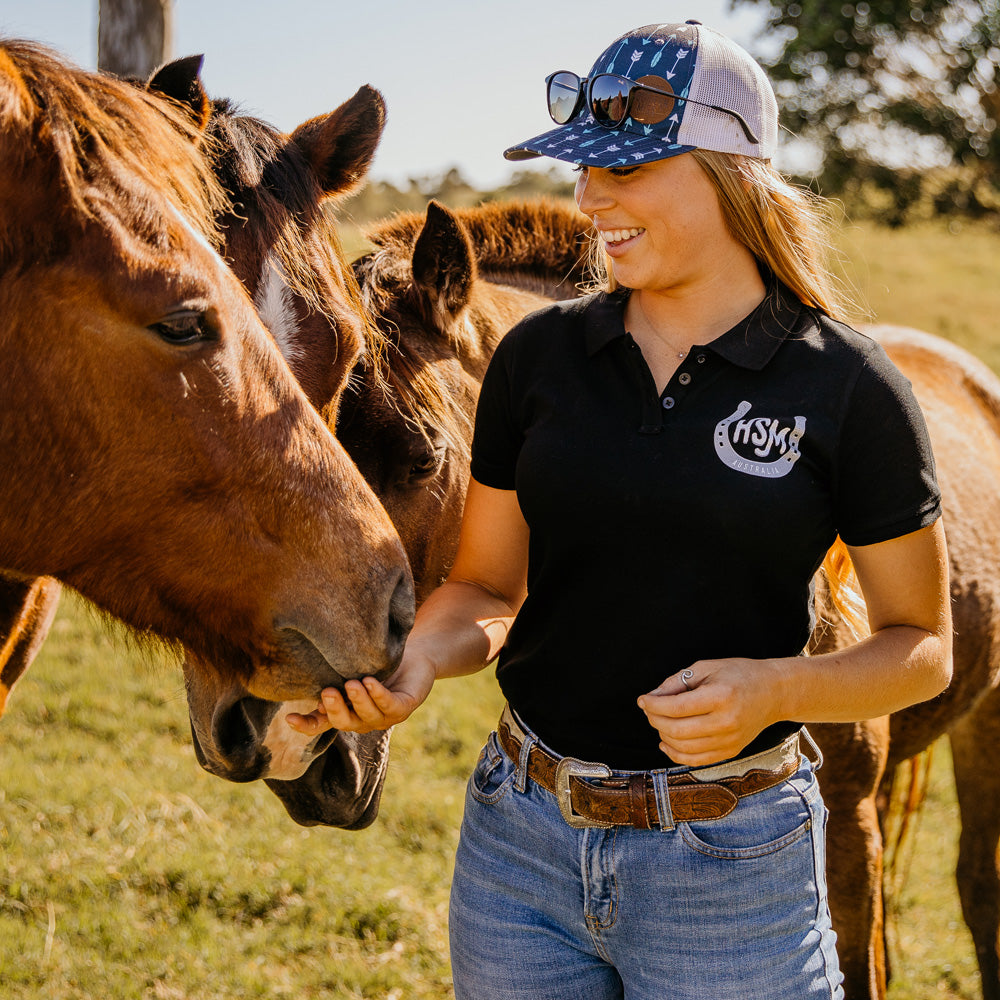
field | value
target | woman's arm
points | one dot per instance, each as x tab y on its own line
458	630
906	659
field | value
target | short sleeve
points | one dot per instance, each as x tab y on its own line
497	439
886	484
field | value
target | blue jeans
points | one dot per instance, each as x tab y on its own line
728	909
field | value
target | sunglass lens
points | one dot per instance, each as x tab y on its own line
648	107
563	95
609	99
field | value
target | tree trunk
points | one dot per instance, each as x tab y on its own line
134	37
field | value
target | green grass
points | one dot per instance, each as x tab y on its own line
127	872
940	279
930	948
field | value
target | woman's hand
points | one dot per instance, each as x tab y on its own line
727	705
369	705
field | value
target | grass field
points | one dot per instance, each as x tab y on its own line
126	872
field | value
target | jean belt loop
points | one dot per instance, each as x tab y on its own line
521	778
807	736
662	793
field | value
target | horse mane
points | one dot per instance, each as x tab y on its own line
101	131
539	242
271	184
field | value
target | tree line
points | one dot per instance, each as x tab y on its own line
900	98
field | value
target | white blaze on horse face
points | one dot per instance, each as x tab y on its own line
291	751
199	238
273	301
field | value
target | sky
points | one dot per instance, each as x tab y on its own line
462	79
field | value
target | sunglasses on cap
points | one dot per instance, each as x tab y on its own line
612	98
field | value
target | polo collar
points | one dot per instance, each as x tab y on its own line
751	343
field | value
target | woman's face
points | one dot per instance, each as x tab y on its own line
661	224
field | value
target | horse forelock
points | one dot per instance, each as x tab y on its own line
277	203
106	141
429	401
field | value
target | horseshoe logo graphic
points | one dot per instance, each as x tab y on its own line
766	470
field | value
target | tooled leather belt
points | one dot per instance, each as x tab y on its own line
589	795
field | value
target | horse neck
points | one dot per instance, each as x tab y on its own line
496	306
537	247
546	286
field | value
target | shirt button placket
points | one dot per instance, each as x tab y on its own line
683	378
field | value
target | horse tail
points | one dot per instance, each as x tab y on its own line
845	590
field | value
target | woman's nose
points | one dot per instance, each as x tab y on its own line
591	193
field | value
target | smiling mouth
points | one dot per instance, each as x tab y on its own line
612	237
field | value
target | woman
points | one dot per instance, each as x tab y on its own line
658	471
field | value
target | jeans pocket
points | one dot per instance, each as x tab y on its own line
493	775
761	824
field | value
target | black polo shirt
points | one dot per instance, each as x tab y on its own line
668	528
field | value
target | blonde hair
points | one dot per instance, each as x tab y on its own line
787	228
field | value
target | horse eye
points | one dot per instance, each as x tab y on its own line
427	465
188	327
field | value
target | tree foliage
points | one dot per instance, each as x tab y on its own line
890	83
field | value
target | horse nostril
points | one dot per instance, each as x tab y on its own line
402	608
237	732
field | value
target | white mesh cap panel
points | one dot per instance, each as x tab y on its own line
728	77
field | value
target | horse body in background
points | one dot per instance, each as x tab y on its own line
432	283
145	405
960	397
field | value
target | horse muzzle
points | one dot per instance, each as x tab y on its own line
307	662
248	738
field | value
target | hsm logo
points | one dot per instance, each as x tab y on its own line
762	437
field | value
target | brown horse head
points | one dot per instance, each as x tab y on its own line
279	236
444	288
159	456
280	240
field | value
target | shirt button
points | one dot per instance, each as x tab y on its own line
700	359
684	378
668	402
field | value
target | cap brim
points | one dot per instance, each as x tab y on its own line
585	142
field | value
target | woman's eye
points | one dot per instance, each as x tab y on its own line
622	171
184	328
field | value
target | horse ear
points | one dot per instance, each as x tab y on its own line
180	80
340	146
444	265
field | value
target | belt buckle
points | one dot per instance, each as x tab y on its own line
570	767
